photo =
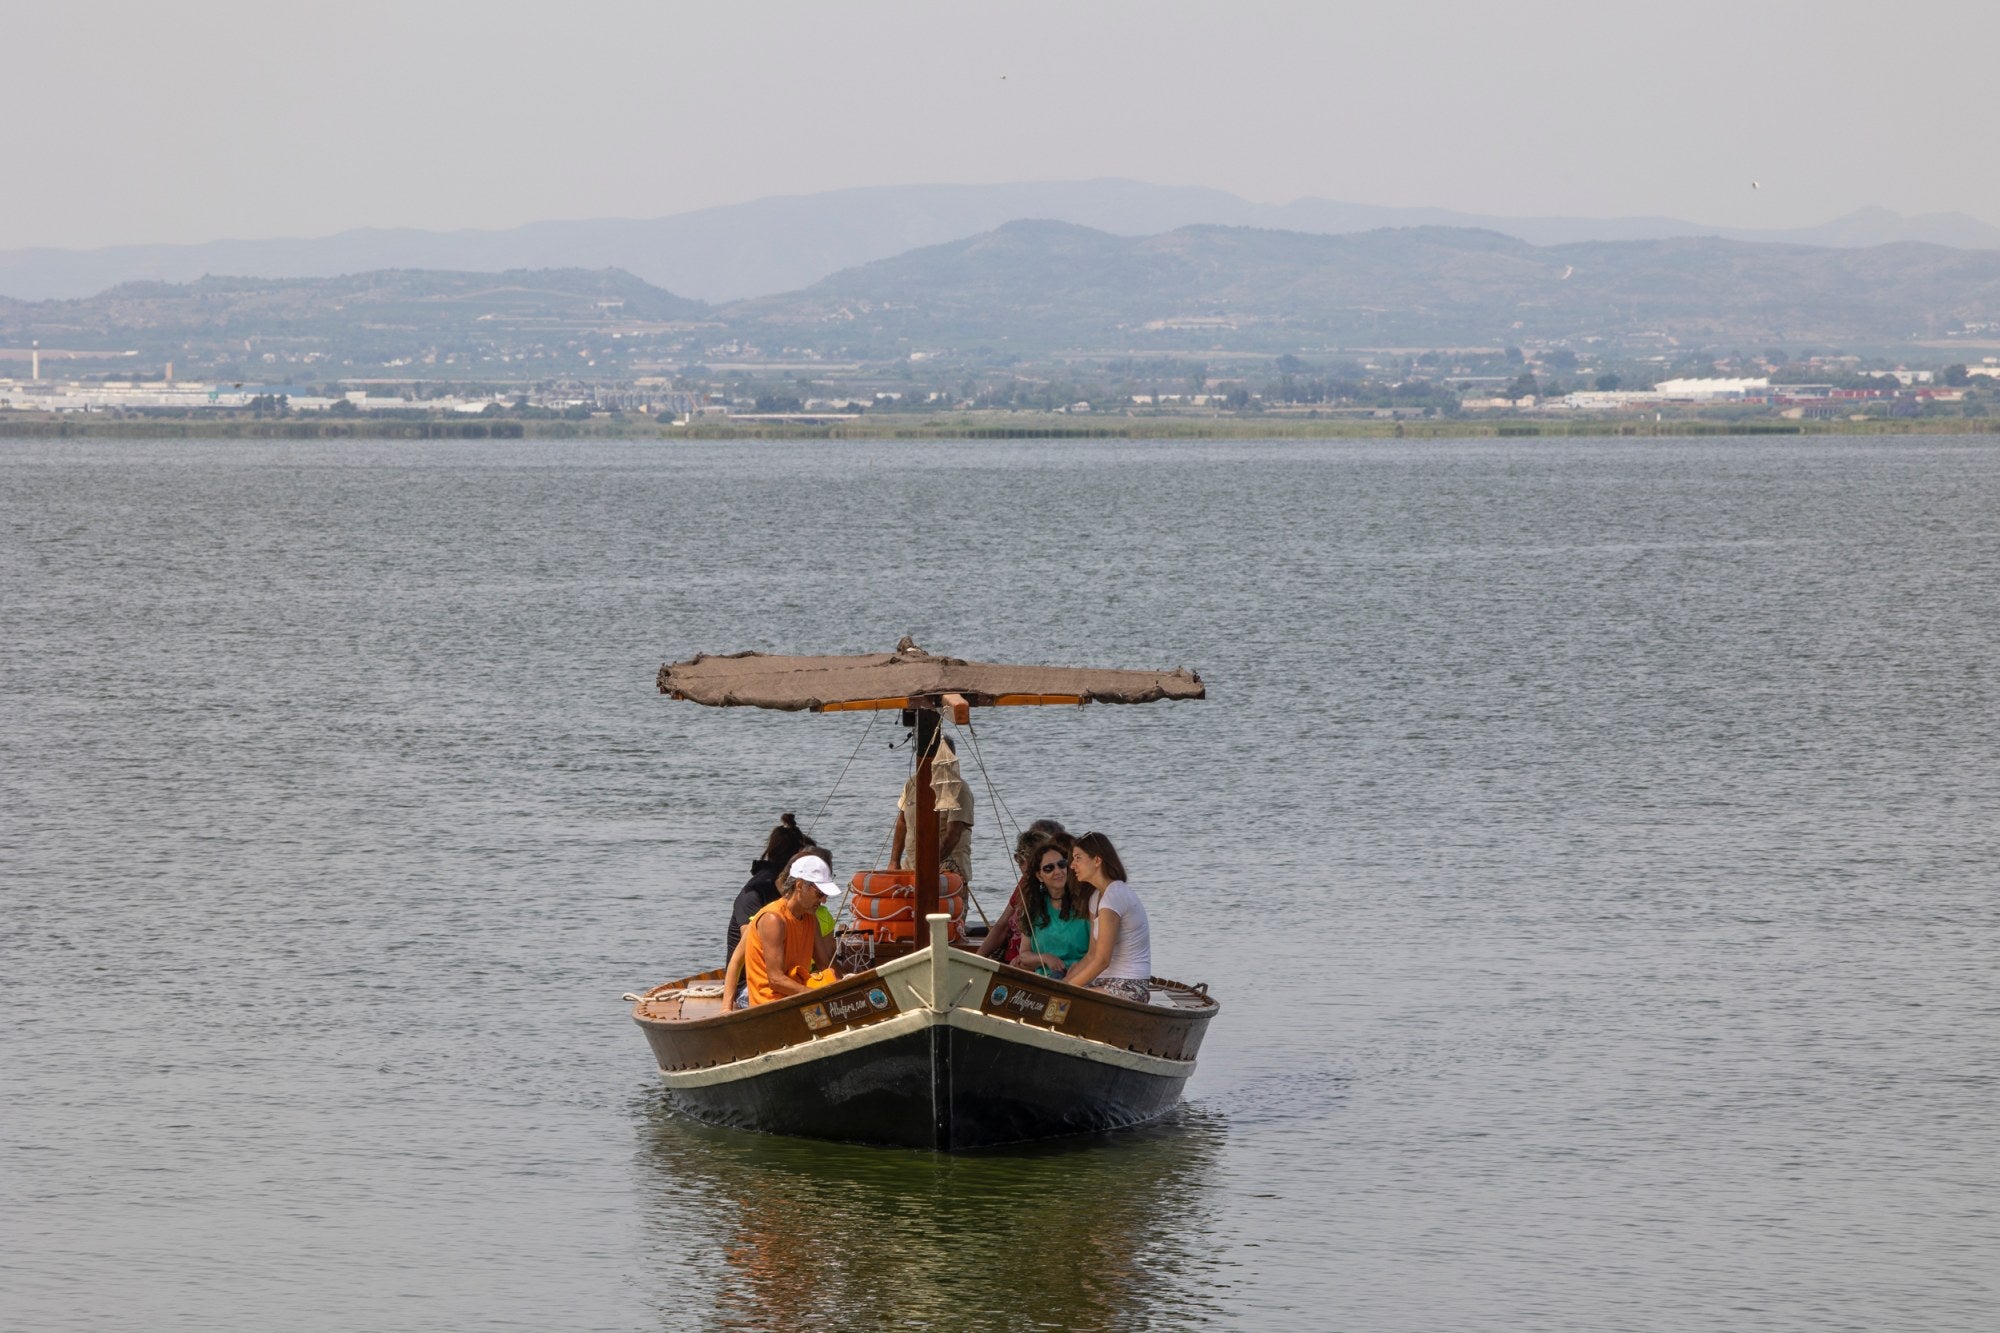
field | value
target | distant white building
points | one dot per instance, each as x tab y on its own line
1605	400
1707	390
138	395
99	396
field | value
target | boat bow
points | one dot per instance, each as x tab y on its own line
939	1048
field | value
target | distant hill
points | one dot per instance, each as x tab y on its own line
382	314
1043	284
786	242
1031	288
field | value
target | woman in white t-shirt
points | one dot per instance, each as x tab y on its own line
1121	947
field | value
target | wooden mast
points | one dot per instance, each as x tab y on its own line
924	815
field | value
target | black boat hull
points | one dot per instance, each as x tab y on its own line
940	1087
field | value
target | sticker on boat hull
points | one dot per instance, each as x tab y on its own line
853	1009
1028	1005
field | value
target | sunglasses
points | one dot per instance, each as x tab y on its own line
1047	866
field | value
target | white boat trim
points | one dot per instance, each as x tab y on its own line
968	1020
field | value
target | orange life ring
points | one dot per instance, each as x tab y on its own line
885	903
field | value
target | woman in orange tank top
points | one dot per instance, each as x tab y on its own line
786	931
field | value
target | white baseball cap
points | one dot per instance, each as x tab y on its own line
815	871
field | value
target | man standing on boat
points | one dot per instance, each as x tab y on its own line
954	816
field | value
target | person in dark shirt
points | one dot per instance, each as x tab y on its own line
785	842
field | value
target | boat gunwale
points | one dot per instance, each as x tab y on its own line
1208	1007
728	1016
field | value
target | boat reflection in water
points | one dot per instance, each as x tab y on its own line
752	1231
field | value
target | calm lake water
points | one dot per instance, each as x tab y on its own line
1595	845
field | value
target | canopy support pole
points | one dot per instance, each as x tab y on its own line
925	855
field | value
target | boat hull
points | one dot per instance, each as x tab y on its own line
939	1087
1006	1057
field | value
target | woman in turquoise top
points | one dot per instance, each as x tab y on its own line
1055	916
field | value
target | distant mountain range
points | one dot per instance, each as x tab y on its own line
1049	284
375	317
1032	288
786	242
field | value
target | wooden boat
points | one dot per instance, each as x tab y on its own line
931	1046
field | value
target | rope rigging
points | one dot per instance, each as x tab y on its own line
993	793
1001	826
846	900
813	823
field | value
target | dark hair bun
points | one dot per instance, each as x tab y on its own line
788	820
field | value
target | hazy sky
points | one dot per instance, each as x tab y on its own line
210	118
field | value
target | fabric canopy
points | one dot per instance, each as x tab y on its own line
761	680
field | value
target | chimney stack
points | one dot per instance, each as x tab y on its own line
35	361
170	373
